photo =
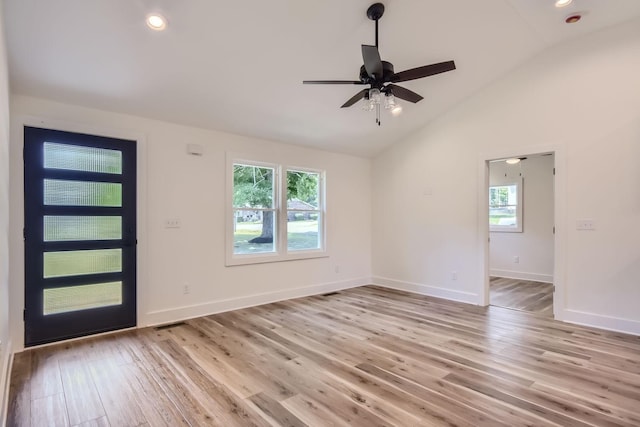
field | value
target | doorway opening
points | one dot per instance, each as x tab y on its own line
521	228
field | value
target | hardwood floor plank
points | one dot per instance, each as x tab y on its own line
116	395
98	422
157	408
345	398
49	411
607	409
442	405
498	394
367	356
46	380
19	406
275	411
313	413
82	399
220	402
179	394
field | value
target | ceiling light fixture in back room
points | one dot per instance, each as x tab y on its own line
380	76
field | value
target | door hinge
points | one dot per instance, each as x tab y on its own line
554	171
24	315
554	229
24	233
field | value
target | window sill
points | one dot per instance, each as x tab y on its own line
236	260
505	230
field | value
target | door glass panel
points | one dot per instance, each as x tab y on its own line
79	158
65	228
74	298
82	193
75	263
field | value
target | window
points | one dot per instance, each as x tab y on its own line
254	210
303	210
277	213
505	207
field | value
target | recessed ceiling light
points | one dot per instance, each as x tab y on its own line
513	161
572	19
156	22
563	3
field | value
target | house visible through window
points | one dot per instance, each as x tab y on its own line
303	210
277	213
505	207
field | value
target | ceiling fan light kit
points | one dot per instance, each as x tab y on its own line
381	77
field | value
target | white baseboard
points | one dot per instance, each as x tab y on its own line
609	323
5	377
520	275
189	312
432	291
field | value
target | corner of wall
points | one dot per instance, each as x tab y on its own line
5	342
428	290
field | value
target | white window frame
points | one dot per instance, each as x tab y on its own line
519	208
281	252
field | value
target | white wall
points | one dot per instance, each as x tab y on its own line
5	342
534	245
177	185
583	97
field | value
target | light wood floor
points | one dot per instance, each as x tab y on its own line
526	295
366	356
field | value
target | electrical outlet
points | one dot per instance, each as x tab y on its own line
186	289
454	275
337	268
516	259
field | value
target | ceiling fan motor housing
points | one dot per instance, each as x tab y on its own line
387	74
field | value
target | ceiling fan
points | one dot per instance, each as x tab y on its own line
381	77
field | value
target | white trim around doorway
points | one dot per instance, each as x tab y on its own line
559	203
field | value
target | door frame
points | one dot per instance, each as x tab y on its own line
17	261
559	213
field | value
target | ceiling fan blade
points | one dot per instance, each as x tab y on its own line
425	71
332	82
372	61
406	94
357	97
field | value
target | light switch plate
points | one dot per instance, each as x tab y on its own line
585	225
172	223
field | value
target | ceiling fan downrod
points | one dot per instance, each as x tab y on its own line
375	12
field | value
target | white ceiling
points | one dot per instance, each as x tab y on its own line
238	66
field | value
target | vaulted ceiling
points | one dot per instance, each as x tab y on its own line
238	66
